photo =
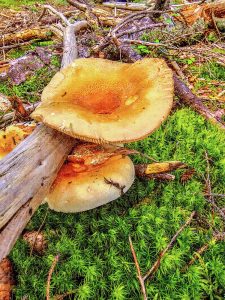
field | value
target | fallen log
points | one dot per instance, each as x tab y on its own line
126	6
27	173
24	35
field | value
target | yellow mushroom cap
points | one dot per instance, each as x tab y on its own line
12	136
107	101
93	176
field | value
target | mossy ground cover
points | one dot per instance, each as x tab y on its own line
95	258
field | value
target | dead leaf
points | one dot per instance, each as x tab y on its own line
205	11
187	175
36	241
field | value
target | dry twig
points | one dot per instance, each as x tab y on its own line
156	265
50	276
140	278
216	237
210	197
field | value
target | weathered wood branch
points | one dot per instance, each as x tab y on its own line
126	6
186	96
24	35
27	173
96	13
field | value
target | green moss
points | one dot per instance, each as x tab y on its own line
31	89
17	4
95	258
209	70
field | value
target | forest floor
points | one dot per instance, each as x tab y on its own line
95	259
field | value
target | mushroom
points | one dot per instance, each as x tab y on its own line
93	175
106	101
110	102
12	136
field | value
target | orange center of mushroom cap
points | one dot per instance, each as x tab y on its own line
90	90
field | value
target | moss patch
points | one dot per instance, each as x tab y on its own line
95	258
31	89
17	4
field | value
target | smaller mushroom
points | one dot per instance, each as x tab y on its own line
93	175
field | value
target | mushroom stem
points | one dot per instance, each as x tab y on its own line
27	173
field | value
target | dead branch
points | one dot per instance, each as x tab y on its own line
26	176
159	167
210	198
96	14
126	6
161	177
38	157
186	96
115	35
156	265
24	35
140	29
50	276
158	170
148	44
55	12
216	237
141	280
215	195
208	183
178	70
78	5
219	210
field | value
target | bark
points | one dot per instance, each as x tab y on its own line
126	6
25	35
27	173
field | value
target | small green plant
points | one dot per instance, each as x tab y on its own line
191	60
143	50
212	37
